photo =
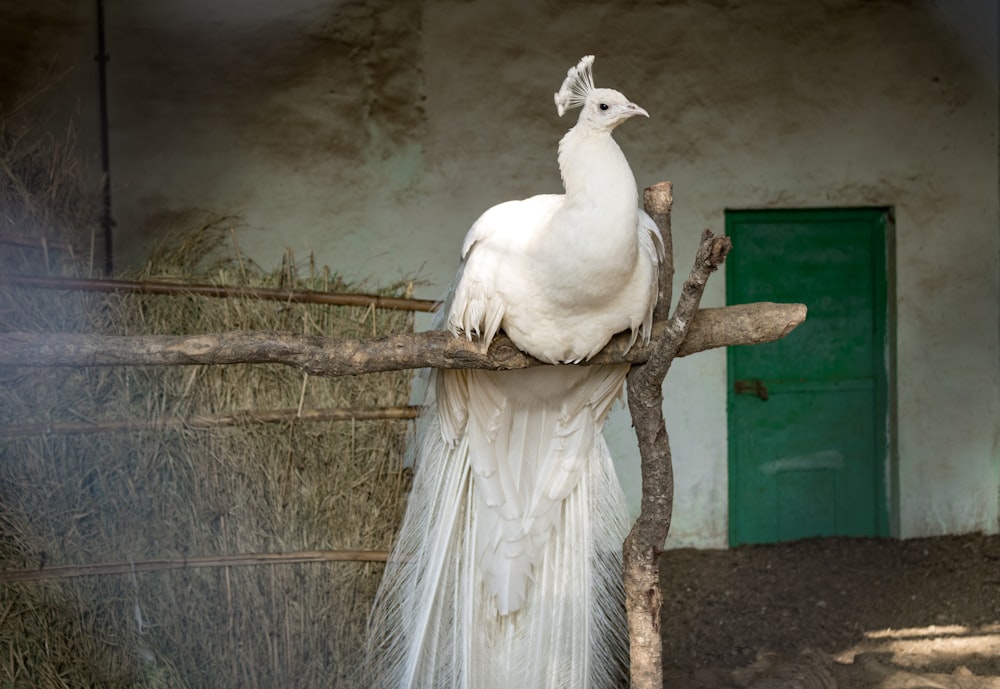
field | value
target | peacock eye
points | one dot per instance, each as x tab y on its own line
603	106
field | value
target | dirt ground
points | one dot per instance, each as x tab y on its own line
835	613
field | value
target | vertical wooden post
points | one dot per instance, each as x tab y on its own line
642	547
641	554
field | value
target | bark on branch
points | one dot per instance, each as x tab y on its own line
710	328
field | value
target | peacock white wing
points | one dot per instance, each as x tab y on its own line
493	265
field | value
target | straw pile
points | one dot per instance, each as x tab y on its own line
182	492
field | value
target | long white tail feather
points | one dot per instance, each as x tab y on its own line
438	620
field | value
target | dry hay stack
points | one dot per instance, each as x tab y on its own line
180	492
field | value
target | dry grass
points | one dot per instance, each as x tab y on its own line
46	194
184	492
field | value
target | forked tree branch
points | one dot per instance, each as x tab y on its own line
642	549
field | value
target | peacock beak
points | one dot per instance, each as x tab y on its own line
631	110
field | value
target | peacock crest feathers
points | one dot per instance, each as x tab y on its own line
577	86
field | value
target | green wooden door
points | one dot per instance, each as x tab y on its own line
807	414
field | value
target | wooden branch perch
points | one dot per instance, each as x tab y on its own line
710	328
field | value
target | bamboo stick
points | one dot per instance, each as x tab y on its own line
197	562
204	421
37	243
176	288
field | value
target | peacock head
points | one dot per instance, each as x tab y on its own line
601	109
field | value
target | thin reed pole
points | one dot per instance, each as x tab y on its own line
161	564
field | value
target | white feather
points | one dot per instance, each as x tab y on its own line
507	568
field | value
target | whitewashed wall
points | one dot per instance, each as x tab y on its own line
374	132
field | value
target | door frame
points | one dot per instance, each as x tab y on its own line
883	252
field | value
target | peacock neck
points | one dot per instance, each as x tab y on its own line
600	208
594	168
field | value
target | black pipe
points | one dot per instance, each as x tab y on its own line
102	87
